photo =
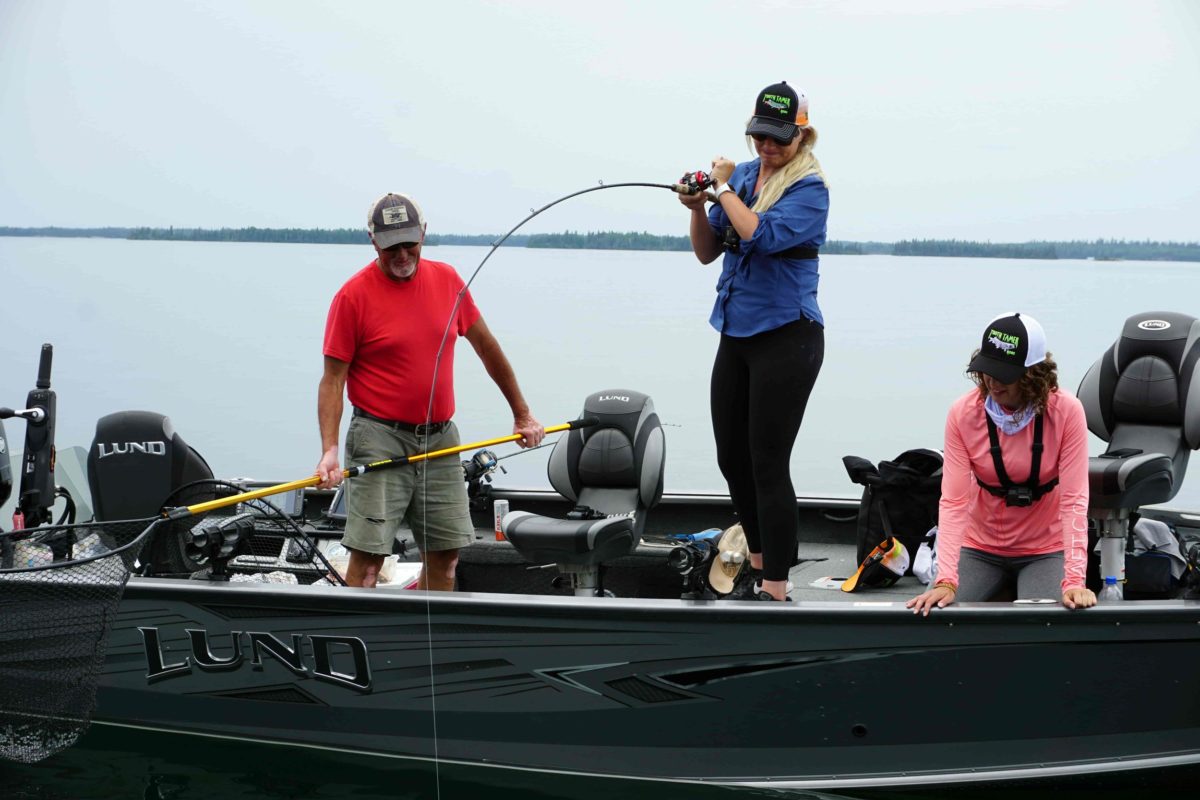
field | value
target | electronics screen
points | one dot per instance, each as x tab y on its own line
291	503
337	508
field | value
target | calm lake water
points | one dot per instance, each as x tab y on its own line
225	339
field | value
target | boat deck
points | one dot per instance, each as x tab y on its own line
645	573
827	551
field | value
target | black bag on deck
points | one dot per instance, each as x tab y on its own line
900	498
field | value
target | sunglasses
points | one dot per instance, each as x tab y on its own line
760	138
402	245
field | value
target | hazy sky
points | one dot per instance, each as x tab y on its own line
1005	121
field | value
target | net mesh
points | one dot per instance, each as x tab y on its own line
55	616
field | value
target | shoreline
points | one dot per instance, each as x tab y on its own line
1097	250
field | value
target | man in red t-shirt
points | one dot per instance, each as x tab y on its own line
382	339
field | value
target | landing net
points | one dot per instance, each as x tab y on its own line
55	616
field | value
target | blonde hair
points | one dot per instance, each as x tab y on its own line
803	164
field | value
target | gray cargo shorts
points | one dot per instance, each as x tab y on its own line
429	496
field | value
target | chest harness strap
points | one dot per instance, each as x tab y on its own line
732	242
1018	494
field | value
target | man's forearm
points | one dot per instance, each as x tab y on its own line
329	414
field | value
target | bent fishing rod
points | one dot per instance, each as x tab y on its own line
353	472
691	183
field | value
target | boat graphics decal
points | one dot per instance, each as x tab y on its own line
290	656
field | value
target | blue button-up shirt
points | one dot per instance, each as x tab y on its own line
760	290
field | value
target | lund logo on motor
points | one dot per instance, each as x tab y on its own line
292	657
125	448
1154	324
614	397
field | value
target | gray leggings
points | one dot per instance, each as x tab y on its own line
981	576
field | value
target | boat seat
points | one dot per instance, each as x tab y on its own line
613	473
135	462
1142	397
568	542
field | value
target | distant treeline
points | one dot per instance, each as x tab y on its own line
285	235
964	249
101	233
1100	249
616	240
304	236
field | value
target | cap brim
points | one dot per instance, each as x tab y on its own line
765	126
1003	371
386	239
851	583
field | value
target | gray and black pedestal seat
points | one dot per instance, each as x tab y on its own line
1143	398
613	473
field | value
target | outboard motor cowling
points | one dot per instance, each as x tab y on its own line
613	472
136	461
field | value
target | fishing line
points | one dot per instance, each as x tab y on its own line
690	184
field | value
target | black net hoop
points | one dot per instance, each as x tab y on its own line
54	622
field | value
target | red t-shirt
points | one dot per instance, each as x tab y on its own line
389	333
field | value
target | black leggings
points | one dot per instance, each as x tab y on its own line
760	387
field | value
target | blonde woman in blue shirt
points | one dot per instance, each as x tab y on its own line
768	223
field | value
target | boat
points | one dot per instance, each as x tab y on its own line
585	638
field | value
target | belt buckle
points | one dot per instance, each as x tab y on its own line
426	430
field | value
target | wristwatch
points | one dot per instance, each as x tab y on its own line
722	189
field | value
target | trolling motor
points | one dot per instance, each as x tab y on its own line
38	492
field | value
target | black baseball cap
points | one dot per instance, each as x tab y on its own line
779	111
1012	343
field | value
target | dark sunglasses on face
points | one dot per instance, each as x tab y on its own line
402	245
760	138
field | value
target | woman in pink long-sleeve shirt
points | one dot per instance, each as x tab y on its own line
1016	528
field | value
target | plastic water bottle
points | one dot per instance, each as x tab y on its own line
1112	592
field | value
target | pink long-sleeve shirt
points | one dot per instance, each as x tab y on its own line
970	516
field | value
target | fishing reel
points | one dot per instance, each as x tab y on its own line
477	472
694	182
692	561
1191	579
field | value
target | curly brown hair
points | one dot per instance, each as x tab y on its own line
1034	387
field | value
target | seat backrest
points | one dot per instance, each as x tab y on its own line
615	466
1144	392
136	460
